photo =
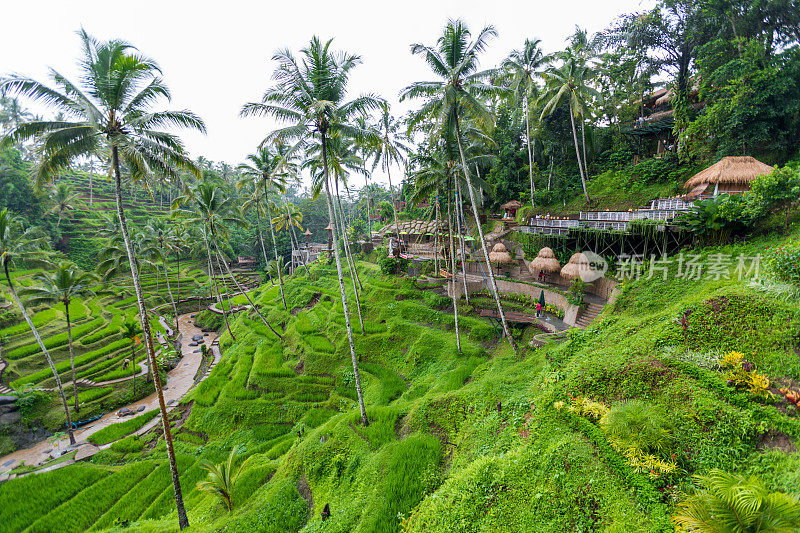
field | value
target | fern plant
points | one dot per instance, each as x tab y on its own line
730	503
635	424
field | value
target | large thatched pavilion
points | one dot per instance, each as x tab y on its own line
731	175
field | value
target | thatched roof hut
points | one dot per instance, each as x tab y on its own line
731	174
545	261
577	263
500	256
511	208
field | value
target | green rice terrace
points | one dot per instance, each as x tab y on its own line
559	293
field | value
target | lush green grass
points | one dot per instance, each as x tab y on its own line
465	441
117	431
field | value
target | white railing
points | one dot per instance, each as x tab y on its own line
605	215
671	204
554	222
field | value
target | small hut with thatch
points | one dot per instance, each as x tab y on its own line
511	209
577	264
731	175
500	256
545	261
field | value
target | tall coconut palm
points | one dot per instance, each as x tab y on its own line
456	99
263	169
569	82
17	242
132	332
65	199
342	160
110	113
390	148
65	283
524	67
310	95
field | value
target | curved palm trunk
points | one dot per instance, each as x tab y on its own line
578	156
348	253
71	356
260	235
530	153
178	261
243	291
274	245
350	263
219	294
183	520
495	293
583	145
133	362
349	328
44	351
369	221
453	271
169	291
394	205
296	239
436	234
459	215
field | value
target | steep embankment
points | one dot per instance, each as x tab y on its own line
483	440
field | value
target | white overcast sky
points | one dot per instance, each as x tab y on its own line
217	55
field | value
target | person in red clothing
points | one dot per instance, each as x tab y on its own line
538	309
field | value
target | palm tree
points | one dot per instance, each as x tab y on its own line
275	269
132	332
110	113
181	239
65	283
731	503
569	81
221	478
288	220
523	66
16	243
456	98
390	148
310	94
65	199
263	170
211	208
161	234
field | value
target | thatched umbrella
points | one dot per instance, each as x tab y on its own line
500	256
308	235
577	264
733	173
545	261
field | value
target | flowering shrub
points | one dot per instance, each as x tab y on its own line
742	374
784	261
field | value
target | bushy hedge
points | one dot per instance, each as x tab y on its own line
785	262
